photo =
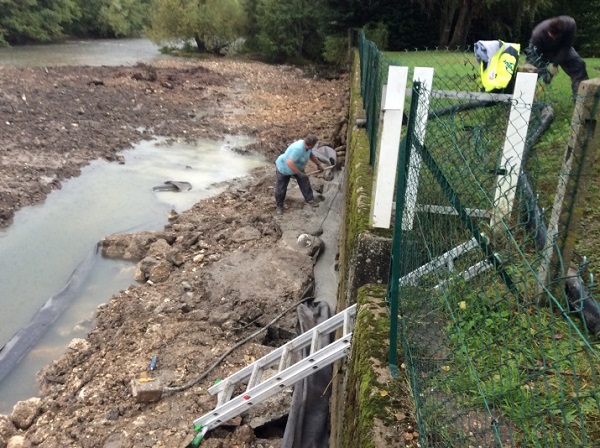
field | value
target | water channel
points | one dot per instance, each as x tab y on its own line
48	253
93	53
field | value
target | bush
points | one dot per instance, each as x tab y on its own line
336	51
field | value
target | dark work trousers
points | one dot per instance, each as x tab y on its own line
574	66
570	62
281	184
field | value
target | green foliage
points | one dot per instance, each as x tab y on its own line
336	51
110	18
32	20
516	358
406	24
212	24
378	34
290	30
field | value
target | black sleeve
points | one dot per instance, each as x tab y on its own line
554	48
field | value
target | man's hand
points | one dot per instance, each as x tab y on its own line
320	168
301	174
551	70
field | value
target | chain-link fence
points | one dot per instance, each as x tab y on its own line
498	328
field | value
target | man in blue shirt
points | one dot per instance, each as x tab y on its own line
291	164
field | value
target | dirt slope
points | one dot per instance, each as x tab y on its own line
215	275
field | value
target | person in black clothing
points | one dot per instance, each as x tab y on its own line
551	46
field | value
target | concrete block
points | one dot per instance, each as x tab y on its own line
146	389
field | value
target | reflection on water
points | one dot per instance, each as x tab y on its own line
97	52
47	242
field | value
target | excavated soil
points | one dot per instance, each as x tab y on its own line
217	274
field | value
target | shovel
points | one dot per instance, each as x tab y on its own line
317	171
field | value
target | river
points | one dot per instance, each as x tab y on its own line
110	52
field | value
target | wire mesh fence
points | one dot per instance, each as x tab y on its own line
498	332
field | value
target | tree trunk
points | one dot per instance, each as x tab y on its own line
200	44
447	19
463	24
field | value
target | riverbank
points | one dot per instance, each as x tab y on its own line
191	306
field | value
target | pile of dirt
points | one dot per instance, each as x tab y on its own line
216	274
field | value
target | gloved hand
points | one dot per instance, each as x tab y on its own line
320	168
302	175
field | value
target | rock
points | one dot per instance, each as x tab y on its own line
18	442
160	272
7	429
245	434
159	249
219	318
153	270
176	258
246	234
303	243
79	345
25	412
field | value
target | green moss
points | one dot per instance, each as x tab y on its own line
359	177
371	392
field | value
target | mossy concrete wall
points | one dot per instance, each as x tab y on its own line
372	404
359	417
364	252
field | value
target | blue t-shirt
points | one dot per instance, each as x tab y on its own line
298	153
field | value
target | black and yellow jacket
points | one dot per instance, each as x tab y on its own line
498	71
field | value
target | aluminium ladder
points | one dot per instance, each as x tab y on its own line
321	354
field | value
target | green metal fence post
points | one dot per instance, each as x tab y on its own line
396	256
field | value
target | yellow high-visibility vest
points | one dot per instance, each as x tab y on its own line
496	75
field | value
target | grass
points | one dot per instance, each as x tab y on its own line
490	352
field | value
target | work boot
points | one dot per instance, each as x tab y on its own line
279	211
313	203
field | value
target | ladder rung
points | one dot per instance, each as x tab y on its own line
315	341
286	356
226	393
347	327
256	375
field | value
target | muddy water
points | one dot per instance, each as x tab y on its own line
95	52
50	245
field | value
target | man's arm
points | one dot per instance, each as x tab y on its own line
290	163
317	162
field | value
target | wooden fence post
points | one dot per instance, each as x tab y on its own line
573	183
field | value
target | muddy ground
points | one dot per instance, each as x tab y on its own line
216	274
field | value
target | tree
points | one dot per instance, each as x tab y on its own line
110	18
291	29
33	20
406	24
212	24
457	16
